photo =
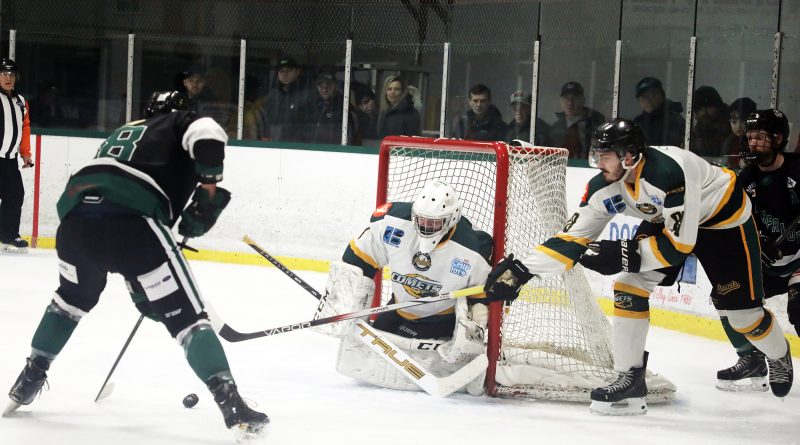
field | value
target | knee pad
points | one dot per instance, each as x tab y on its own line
60	307
755	323
628	305
167	299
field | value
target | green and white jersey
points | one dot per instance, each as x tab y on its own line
671	186
460	260
151	166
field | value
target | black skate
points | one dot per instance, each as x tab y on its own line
624	397
749	374
781	373
14	245
28	384
245	422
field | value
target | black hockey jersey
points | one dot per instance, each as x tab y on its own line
151	166
776	203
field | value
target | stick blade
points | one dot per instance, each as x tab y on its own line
105	391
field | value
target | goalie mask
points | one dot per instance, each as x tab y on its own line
164	102
436	210
761	130
620	136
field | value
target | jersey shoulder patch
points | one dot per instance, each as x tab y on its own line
400	210
475	240
594	184
661	170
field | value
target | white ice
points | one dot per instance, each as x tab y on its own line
292	378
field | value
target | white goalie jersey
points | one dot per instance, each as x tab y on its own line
459	261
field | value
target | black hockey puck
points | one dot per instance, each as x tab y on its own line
190	401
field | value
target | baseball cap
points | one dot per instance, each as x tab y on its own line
326	77
287	62
648	83
572	87
519	97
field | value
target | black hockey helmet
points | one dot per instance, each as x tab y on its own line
772	121
620	136
163	102
7	64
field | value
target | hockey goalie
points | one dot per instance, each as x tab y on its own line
430	248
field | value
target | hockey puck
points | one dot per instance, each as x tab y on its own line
190	401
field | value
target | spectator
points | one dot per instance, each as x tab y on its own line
661	118
520	125
253	120
483	121
367	112
191	83
736	143
14	143
397	115
324	113
711	126
574	125
285	102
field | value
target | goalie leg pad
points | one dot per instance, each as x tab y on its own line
347	290
358	361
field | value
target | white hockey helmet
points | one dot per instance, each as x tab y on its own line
435	211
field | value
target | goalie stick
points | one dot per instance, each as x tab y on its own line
435	386
233	336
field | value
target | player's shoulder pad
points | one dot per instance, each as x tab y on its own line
662	170
475	240
400	210
792	162
593	186
201	128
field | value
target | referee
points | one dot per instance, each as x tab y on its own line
15	132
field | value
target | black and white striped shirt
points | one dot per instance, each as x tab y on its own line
14	119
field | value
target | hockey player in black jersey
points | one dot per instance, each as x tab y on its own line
116	216
772	180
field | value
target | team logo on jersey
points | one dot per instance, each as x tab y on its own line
460	267
417	285
790	183
614	204
421	261
647	208
658	219
391	236
382	210
751	189
656	200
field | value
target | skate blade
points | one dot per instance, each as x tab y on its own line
13	250
10	408
751	384
635	406
245	432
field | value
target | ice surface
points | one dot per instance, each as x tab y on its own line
292	378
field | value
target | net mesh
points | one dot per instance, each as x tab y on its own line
555	341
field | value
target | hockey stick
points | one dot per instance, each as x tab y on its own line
231	335
788	230
435	386
106	389
254	245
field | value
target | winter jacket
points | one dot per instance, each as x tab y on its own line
578	136
401	119
489	128
285	110
665	125
523	132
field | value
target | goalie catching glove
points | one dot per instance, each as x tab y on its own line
201	214
506	279
611	257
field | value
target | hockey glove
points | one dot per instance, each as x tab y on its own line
770	253
611	257
504	282
201	214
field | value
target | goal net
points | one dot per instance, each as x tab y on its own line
553	342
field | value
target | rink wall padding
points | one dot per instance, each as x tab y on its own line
303	203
